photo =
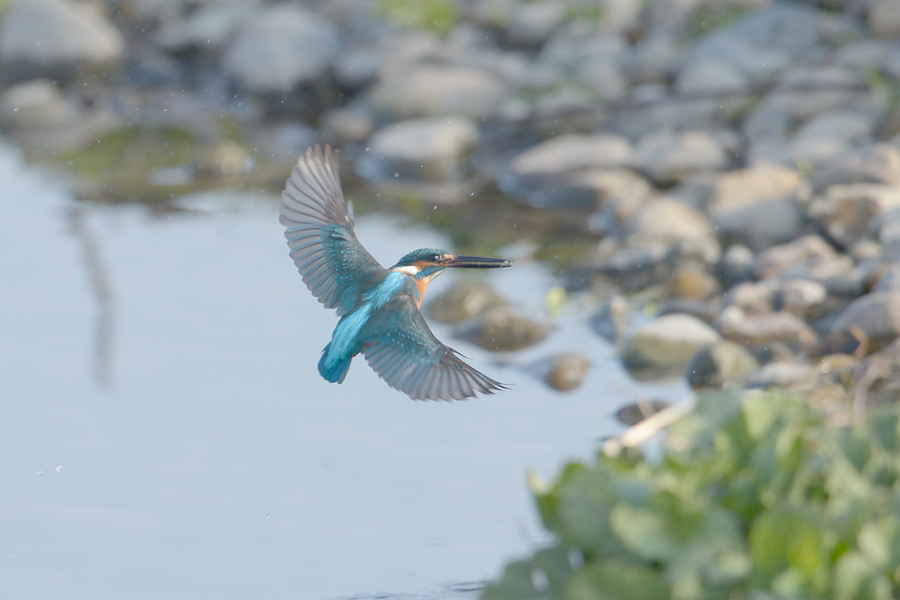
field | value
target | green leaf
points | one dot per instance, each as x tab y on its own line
643	532
516	584
584	507
883	425
852	574
761	412
618	581
786	538
548	499
547	574
764	503
879	542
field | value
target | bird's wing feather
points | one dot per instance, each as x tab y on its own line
319	230
406	354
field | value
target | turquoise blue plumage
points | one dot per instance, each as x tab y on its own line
378	307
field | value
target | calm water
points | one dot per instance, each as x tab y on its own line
164	432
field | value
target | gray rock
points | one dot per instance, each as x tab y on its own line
620	16
876	163
468	298
738	263
43	121
407	49
567	153
623	193
891	64
501	329
784	375
794	258
690	282
844	125
667	341
562	102
720	364
428	90
669	220
587	190
862	54
653	58
806	153
851	213
36	103
357	67
348	124
764	329
810	257
877	315
805	92
710	75
889	281
761	43
666	156
889	236
798	296
572	47
605	78
633	265
531	24
563	372
650	114
156	10
884	18
756	206
209	28
695	190
54	38
767	123
761	224
281	48
424	149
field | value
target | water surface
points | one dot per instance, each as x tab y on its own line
164	432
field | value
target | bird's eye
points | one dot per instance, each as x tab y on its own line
437	258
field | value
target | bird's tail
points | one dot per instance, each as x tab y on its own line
333	368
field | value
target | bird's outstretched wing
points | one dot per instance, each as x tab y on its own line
406	354
319	232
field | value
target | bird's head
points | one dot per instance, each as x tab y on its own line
427	263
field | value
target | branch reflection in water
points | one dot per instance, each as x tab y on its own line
98	282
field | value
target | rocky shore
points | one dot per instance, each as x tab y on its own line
730	168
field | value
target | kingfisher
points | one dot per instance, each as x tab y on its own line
378	307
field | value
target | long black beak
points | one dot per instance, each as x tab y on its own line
476	262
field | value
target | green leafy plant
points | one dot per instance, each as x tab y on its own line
754	497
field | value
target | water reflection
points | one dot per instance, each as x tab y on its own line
98	280
219	463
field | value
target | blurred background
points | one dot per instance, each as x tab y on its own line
697	193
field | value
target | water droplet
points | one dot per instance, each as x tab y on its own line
58	468
396	175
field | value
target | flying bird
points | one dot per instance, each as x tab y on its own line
378	307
